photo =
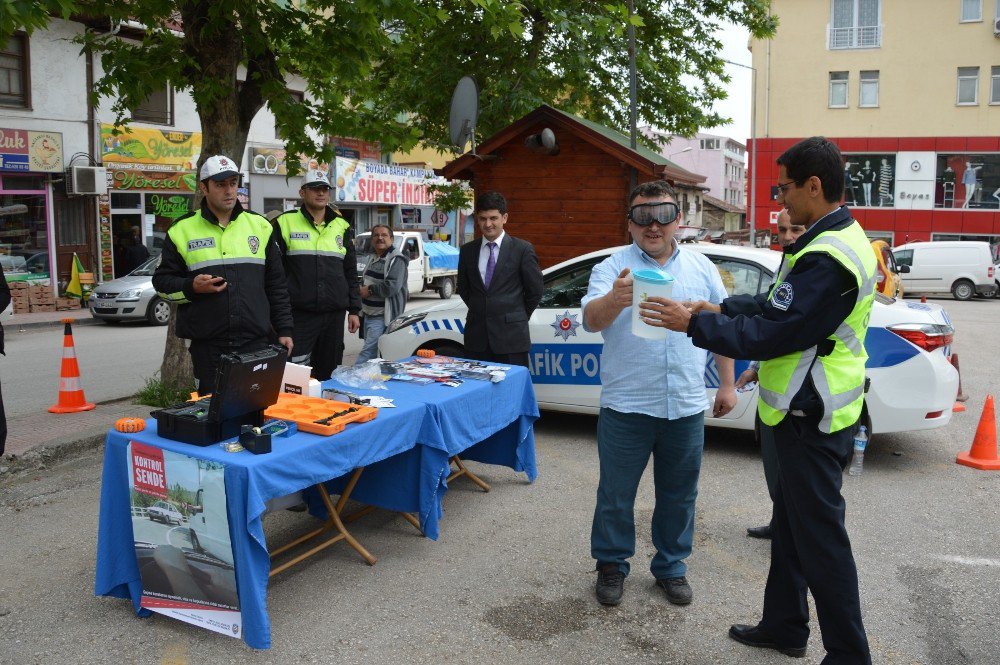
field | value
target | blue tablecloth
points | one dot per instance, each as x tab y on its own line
405	450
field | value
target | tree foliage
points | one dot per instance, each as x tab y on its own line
384	69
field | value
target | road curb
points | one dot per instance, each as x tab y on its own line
14	326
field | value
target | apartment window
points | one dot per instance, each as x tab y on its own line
838	90
968	85
158	108
297	97
869	89
995	85
709	144
972	10
855	24
14	88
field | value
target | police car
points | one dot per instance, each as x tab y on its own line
913	384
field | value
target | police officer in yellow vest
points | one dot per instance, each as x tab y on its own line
317	247
222	265
810	335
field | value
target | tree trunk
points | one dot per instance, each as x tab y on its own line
176	371
225	111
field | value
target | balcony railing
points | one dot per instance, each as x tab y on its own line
866	36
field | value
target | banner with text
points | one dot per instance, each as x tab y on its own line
181	531
372	182
177	151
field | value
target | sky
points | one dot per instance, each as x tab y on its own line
737	106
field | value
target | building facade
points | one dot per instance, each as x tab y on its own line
720	159
910	92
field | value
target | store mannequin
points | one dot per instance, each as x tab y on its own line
867	175
996	195
850	196
970	180
948	187
885	183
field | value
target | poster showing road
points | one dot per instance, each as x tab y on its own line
181	533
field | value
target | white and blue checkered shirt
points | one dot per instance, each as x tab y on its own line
664	378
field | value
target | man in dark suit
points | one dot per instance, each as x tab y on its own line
501	283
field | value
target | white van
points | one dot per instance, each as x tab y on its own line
962	267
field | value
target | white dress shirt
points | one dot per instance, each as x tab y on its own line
484	254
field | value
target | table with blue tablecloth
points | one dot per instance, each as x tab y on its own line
405	450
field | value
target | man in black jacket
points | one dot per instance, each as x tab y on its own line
222	265
501	283
317	248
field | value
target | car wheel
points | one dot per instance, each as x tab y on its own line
158	312
449	349
447	289
963	289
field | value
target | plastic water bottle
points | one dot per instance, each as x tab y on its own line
860	442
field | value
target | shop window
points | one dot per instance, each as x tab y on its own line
126	201
972	10
968	85
14	79
995	85
870	180
24	239
855	24
968	181
838	90
868	96
158	107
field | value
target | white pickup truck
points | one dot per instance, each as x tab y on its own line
433	265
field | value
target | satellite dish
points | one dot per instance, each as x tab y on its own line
464	113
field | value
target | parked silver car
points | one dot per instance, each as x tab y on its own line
131	298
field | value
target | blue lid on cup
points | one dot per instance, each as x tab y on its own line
653	276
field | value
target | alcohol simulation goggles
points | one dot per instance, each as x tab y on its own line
645	214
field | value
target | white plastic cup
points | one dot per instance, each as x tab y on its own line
648	284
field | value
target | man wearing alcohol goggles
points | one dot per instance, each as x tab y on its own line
661	212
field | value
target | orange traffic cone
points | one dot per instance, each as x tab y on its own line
71	397
983	454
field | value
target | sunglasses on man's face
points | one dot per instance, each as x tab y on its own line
645	214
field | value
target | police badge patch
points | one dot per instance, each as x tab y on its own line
782	297
254	243
340	242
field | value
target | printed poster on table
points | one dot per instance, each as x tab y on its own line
181	532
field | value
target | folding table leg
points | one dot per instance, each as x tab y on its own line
464	471
333	523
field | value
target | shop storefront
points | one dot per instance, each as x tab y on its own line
272	190
151	182
27	219
376	193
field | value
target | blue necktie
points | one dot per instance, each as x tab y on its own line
491	264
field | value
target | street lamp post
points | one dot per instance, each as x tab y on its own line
687	149
753	141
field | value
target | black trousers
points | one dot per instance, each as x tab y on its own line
810	547
499	358
205	357
3	425
319	340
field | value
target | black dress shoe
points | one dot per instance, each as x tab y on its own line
755	637
759	531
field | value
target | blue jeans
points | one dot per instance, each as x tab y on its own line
374	327
624	444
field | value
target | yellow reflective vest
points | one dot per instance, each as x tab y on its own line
838	377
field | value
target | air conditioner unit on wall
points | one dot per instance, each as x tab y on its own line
996	27
82	180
